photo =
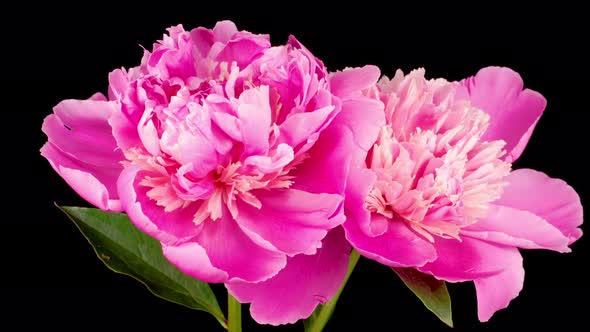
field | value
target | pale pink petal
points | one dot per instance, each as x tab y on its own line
304	283
192	259
94	184
468	259
496	291
224	30
350	82
514	112
254	114
549	198
232	251
512	227
291	221
168	227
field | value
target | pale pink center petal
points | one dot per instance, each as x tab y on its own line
433	172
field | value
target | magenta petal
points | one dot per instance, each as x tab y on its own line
350	82
514	112
300	128
193	260
507	226
398	246
304	283
326	169
549	198
82	149
364	117
80	128
496	291
232	251
244	48
360	182
467	260
168	227
291	221
94	184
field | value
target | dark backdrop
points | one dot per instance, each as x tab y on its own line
52	277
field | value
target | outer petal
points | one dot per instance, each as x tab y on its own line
512	227
514	112
467	260
495	292
80	129
192	259
364	117
88	181
398	246
351	82
291	221
170	228
305	282
232	251
82	149
549	198
326	169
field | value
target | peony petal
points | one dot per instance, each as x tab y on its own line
94	184
232	251
167	227
326	169
398	246
192	259
364	117
512	227
514	112
316	279
243	48
468	259
360	182
549	198
80	129
496	291
254	114
351	82
291	221
298	128
82	149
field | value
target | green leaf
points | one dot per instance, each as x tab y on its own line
431	291
127	250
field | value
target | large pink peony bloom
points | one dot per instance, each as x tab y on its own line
218	146
436	190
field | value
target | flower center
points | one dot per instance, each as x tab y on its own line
437	179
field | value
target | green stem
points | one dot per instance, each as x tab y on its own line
322	314
234	314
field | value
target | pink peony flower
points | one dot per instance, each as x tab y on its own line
218	146
436	191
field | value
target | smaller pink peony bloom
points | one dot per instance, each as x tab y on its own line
436	191
219	146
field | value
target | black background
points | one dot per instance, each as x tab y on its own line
51	277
